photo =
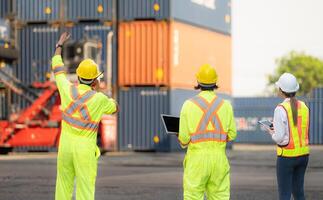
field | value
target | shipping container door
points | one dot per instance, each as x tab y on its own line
78	10
143	57
38	10
139	124
105	36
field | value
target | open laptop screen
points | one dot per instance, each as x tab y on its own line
171	124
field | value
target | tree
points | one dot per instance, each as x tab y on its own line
307	69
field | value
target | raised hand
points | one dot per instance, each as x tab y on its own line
63	38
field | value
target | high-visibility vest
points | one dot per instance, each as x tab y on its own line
210	115
298	135
78	105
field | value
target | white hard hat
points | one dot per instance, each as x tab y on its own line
287	83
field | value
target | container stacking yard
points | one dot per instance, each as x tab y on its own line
149	52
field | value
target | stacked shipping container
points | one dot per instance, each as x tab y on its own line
38	31
161	45
5	8
6	60
248	111
37	11
315	104
169	54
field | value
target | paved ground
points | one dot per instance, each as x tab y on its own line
157	176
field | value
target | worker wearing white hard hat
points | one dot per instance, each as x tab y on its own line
290	132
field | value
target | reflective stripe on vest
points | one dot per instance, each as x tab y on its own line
298	135
59	69
78	104
209	116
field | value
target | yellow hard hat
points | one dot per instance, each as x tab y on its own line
87	69
207	75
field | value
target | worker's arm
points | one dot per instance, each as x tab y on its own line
109	105
183	136
232	130
279	134
58	66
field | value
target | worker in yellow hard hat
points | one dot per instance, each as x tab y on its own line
82	108
206	125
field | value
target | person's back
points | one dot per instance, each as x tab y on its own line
82	109
206	125
219	123
95	106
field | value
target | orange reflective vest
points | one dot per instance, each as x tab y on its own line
210	115
298	135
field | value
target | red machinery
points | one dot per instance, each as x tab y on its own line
37	127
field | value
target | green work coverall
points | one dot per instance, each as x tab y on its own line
78	153
206	124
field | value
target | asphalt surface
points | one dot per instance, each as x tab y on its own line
156	176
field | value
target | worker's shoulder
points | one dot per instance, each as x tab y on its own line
226	103
187	104
101	95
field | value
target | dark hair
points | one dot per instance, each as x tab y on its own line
84	81
293	104
206	88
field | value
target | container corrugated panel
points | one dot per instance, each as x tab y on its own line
139	119
129	10
170	53
3	104
37	10
36	45
248	111
5	8
211	14
4	94
107	37
4	30
143	53
315	104
191	47
88	10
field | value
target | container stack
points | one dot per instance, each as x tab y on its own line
161	45
38	24
7	56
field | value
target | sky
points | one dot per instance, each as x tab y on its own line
264	30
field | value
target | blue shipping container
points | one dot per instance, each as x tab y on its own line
139	117
210	14
107	36
76	10
139	124
5	8
37	10
248	111
4	30
3	104
4	93
63	10
315	104
36	45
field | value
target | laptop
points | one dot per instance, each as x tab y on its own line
171	124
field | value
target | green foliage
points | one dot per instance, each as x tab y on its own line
307	69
